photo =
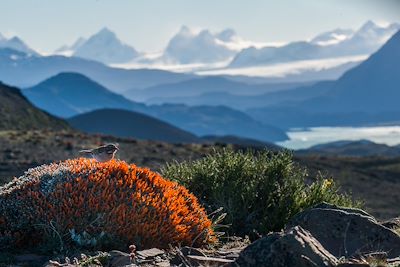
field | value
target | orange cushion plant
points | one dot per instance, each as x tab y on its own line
130	204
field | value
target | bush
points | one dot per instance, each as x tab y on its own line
259	191
84	203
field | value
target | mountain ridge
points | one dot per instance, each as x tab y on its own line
124	123
57	96
366	94
365	40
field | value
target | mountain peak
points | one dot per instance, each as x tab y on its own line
104	46
369	25
15	43
68	77
105	32
16	39
226	35
185	30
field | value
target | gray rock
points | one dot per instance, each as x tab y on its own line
347	232
119	258
150	253
295	247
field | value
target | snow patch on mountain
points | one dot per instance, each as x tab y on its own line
332	37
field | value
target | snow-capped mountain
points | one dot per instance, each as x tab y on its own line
332	37
188	46
16	43
191	47
368	39
338	43
103	46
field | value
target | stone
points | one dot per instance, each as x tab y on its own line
119	258
294	247
208	261
348	233
150	253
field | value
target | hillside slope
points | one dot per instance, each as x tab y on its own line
69	94
17	113
123	123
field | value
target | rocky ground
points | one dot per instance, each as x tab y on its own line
325	235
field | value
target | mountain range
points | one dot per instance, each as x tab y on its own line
196	87
268	95
366	94
17	113
191	47
332	44
69	94
104	46
188	47
34	69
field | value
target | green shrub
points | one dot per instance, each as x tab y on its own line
259	191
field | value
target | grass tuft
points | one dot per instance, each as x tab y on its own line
259	191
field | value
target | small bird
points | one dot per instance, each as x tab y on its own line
102	153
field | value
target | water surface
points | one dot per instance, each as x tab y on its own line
305	138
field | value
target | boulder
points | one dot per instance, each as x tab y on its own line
294	247
347	232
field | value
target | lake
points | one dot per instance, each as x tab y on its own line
305	138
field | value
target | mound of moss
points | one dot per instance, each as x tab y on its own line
85	203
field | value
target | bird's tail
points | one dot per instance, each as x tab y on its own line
86	153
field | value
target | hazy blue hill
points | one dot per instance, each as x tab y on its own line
123	123
198	86
23	70
68	94
216	120
17	113
242	102
368	93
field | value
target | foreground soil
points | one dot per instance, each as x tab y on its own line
376	180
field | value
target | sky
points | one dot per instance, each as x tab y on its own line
148	24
